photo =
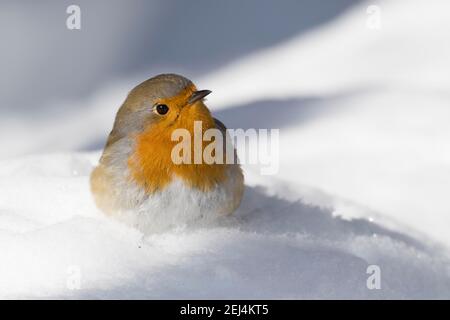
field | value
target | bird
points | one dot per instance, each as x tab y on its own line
136	179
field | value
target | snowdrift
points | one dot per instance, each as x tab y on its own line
55	244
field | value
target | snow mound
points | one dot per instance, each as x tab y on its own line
363	113
55	243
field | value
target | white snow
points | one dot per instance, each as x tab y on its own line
51	235
364	172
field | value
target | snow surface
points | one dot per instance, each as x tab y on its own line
275	247
364	173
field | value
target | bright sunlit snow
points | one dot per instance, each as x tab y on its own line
364	175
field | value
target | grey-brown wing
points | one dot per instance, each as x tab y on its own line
220	125
227	139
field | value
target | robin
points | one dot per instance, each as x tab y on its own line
137	180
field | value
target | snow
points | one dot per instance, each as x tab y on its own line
272	248
364	169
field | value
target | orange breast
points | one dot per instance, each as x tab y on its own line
151	165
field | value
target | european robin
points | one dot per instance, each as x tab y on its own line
137	180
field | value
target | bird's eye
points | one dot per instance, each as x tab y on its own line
162	109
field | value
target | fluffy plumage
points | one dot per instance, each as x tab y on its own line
136	179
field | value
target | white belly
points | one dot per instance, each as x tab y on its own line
179	205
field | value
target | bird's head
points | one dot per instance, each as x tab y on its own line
162	104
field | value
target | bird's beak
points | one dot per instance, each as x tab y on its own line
198	95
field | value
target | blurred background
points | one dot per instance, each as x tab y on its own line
43	62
